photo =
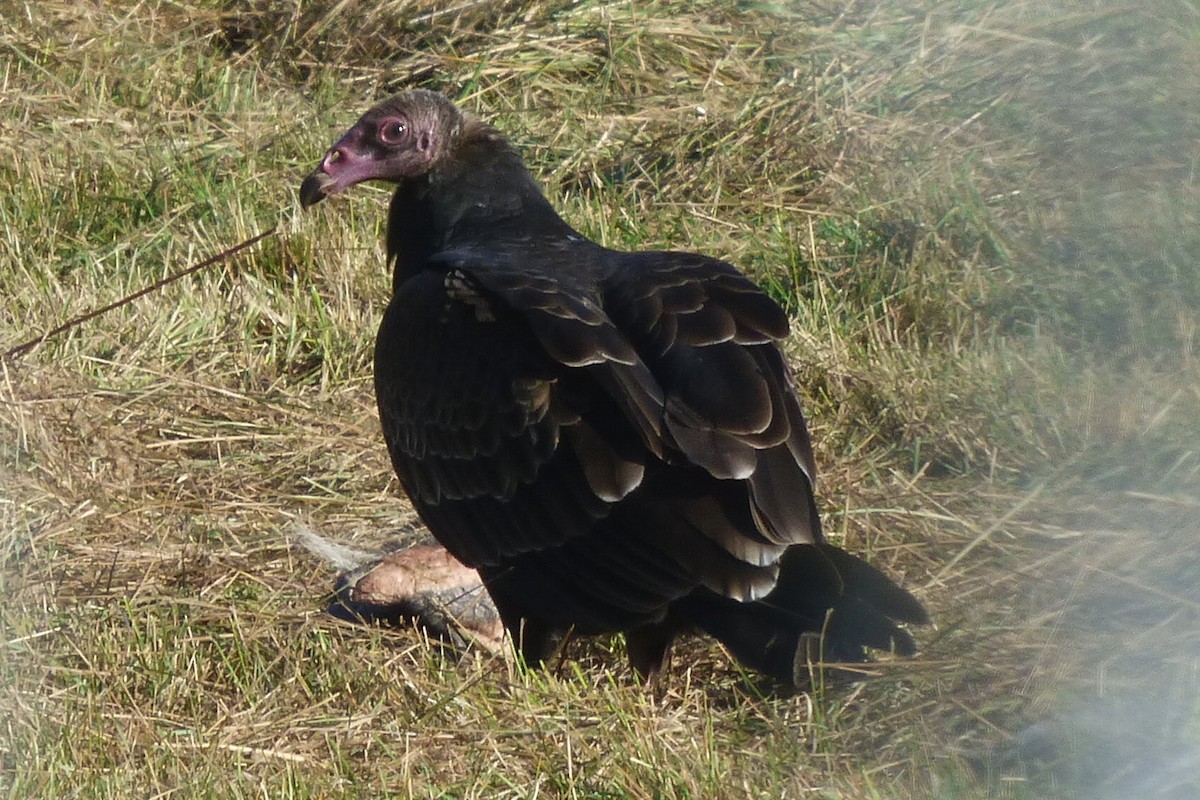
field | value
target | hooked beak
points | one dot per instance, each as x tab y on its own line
344	165
316	187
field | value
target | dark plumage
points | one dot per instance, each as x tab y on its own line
611	439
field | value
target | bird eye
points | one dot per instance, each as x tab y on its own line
392	131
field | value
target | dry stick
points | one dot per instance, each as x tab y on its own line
21	349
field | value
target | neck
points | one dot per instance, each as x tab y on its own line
480	196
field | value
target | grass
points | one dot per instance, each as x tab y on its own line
982	220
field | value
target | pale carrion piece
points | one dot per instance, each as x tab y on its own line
407	582
429	586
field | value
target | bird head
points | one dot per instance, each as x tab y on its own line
402	137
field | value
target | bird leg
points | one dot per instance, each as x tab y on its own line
649	647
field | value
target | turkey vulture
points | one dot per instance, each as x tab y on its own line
612	439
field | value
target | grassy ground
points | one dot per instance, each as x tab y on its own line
982	217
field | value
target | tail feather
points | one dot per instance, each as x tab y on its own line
827	605
874	588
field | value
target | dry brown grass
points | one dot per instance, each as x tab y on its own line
996	336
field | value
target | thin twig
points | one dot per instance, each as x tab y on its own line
21	349
269	752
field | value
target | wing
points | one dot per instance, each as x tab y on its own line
708	335
623	441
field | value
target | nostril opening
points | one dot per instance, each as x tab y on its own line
335	156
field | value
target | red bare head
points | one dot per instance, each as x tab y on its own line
402	137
